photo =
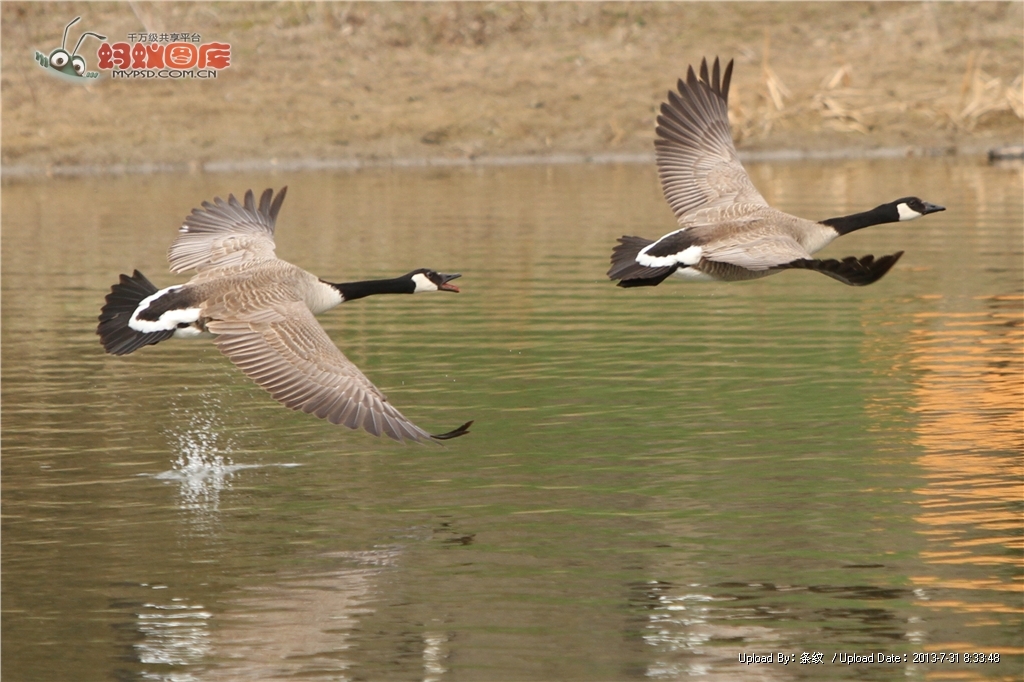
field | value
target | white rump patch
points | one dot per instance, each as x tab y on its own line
423	283
688	256
907	213
192	332
169	320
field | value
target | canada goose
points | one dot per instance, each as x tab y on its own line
260	311
728	231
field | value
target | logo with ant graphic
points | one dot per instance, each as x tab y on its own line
71	67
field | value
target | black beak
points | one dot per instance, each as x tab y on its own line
932	208
445	286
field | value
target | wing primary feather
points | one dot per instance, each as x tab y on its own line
226	232
390	429
454	433
279	199
851	270
700	172
375	420
265	201
358	417
726	79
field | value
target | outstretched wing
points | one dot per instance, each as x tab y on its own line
286	351
697	162
856	272
227	233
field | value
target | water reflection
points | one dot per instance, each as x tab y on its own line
172	634
969	396
682	627
296	625
435	653
659	479
697	629
313	618
166	637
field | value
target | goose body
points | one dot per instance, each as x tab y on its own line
260	312
728	232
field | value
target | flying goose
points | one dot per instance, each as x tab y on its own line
260	311
728	231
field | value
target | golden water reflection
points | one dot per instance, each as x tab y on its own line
969	396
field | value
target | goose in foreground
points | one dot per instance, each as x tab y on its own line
728	231
260	312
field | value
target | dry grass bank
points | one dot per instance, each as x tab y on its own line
323	80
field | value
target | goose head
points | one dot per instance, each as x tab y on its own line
909	208
426	279
906	208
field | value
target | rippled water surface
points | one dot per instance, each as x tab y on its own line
659	481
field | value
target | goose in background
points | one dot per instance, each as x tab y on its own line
728	232
260	310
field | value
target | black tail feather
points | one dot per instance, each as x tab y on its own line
663	274
124	297
632	274
856	272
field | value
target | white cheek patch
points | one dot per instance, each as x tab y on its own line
907	213
423	283
169	320
688	256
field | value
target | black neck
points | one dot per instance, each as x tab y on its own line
353	290
876	216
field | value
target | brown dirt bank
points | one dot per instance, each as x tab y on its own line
357	81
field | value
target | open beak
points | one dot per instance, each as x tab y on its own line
445	279
932	208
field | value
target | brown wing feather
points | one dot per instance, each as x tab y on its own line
227	232
290	355
701	174
755	251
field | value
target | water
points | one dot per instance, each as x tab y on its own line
659	481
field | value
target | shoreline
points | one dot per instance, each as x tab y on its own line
335	86
26	171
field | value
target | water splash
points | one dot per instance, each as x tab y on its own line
203	465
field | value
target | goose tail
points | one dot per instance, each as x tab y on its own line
628	271
124	297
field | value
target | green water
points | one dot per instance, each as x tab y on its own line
658	480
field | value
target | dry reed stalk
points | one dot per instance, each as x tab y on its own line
1015	96
839	117
777	90
861	110
843	76
981	94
